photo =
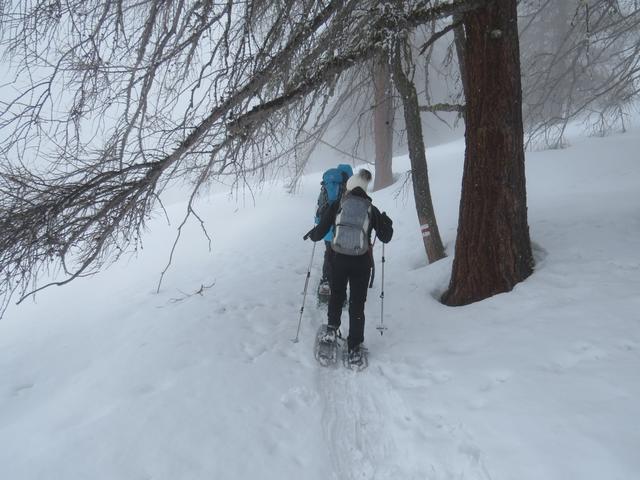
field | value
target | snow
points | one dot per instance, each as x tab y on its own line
105	379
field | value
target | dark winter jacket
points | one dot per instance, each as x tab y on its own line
380	222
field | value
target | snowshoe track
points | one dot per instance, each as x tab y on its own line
372	435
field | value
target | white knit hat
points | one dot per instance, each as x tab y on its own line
360	179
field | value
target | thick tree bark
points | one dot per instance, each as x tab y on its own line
493	249
382	122
419	174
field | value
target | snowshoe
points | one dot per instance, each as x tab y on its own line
326	346
356	359
324	299
324	292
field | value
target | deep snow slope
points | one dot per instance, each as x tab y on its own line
105	379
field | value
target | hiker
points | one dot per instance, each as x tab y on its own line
353	219
333	184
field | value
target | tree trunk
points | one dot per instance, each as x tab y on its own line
459	40
493	249
419	174
382	122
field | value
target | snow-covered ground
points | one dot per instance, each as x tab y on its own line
105	379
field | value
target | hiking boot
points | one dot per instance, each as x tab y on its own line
356	355
330	336
324	288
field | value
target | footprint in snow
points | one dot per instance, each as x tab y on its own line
20	389
496	379
253	352
579	353
628	346
297	397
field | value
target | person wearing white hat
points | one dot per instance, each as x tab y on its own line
361	179
353	219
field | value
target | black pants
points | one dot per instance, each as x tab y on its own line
355	271
326	265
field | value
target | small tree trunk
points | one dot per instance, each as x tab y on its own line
493	249
382	123
419	174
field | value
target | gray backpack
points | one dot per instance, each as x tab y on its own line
352	226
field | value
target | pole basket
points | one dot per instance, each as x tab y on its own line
381	329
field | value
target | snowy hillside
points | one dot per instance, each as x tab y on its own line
104	379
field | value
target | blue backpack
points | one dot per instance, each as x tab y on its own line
333	185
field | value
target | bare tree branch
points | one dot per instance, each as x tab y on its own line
116	99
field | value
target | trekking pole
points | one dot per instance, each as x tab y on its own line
381	328
304	294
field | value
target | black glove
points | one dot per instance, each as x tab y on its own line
384	230
307	235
